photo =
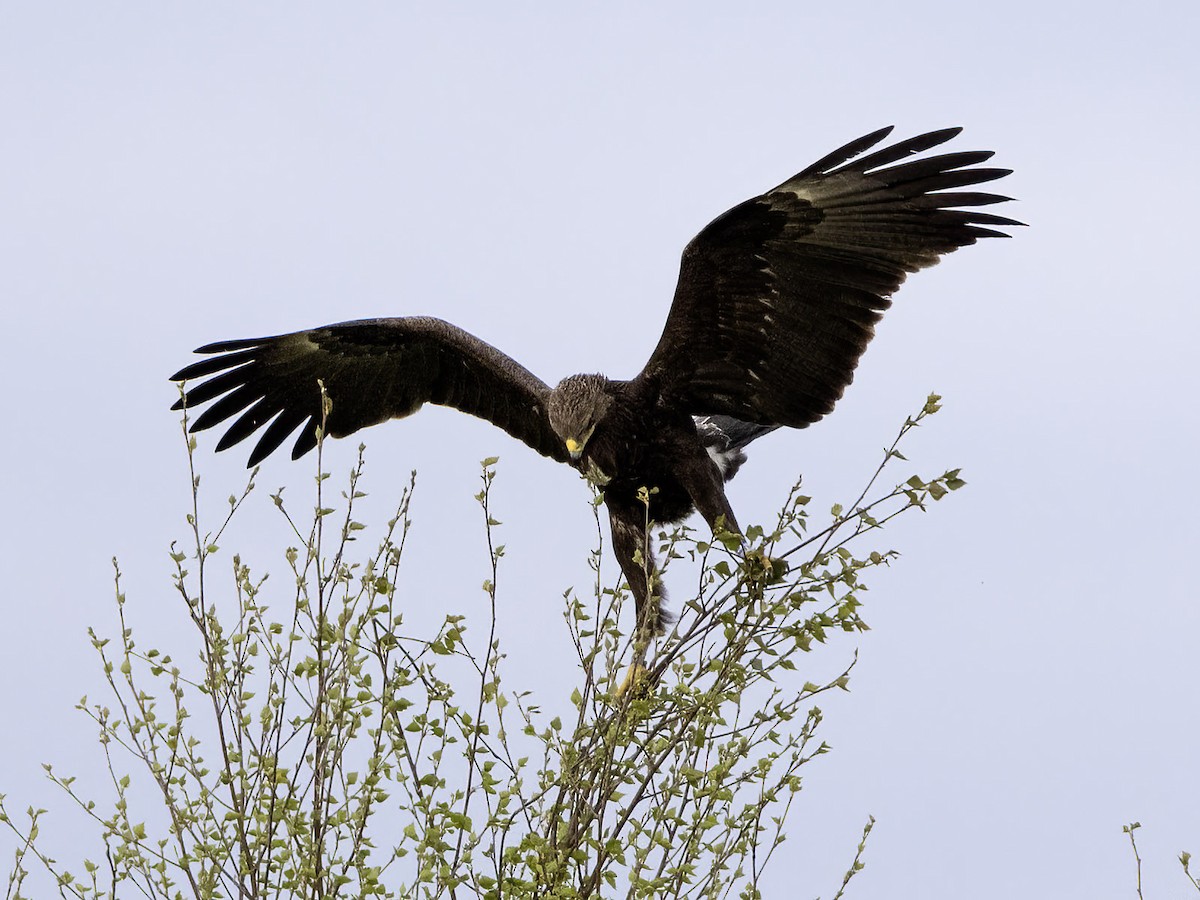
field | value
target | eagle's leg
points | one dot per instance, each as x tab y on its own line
632	549
703	481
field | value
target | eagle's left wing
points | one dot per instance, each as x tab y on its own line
778	298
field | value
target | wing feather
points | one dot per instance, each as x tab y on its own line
373	370
778	297
897	151
849	151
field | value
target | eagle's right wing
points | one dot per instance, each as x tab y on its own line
373	370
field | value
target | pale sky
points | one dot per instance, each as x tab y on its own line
174	175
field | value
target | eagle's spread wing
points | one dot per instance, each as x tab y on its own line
373	370
778	297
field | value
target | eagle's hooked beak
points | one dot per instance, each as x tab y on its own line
574	448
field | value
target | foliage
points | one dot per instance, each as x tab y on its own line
311	743
1185	859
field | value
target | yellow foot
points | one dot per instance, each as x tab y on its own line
637	680
762	569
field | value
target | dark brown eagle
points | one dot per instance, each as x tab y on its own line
777	300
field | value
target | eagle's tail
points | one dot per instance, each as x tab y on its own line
724	437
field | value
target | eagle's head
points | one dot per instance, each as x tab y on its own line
576	407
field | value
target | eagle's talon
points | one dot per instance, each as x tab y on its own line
636	683
763	569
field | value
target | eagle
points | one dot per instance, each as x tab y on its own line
776	301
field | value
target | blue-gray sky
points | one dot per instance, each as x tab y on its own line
173	175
